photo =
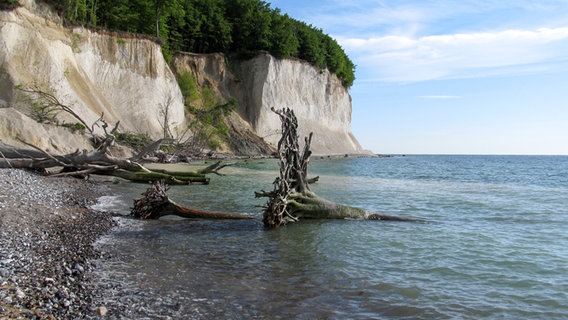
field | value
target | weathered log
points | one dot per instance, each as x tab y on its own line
152	148
309	206
99	162
156	204
293	172
171	179
180	173
29	158
215	167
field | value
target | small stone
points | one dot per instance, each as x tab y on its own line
20	294
79	268
62	293
67	270
49	281
102	311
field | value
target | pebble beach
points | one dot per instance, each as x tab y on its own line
47	232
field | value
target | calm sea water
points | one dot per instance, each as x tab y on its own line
495	245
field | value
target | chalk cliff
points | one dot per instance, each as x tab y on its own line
319	100
126	78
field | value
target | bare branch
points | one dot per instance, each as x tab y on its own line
5	159
46	106
44	152
152	147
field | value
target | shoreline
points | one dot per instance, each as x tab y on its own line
47	232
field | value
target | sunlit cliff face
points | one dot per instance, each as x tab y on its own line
127	79
319	100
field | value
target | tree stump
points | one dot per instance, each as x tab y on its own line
291	199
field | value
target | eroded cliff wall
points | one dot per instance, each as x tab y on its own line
126	78
319	100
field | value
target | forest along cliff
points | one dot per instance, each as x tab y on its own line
126	77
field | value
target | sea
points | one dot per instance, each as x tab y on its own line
492	243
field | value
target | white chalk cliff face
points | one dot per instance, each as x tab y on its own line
126	79
319	100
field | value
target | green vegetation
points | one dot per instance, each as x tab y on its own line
237	28
136	141
44	105
75	127
208	123
8	4
188	87
208	112
75	41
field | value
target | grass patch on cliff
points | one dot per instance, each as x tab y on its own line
206	112
208	119
188	87
75	127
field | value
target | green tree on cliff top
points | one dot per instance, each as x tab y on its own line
207	26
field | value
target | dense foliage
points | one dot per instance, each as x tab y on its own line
8	4
207	26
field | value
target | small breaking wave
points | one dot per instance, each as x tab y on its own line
114	204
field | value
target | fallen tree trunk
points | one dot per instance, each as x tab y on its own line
291	199
171	178
309	206
156	204
97	161
100	162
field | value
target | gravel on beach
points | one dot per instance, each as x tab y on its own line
47	233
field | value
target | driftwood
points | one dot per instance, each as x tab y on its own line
99	161
45	107
291	198
156	204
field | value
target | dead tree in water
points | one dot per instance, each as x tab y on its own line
291	199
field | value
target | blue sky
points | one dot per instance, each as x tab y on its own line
452	77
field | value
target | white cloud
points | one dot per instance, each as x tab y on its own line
404	16
408	59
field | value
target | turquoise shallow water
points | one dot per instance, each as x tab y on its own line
495	245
